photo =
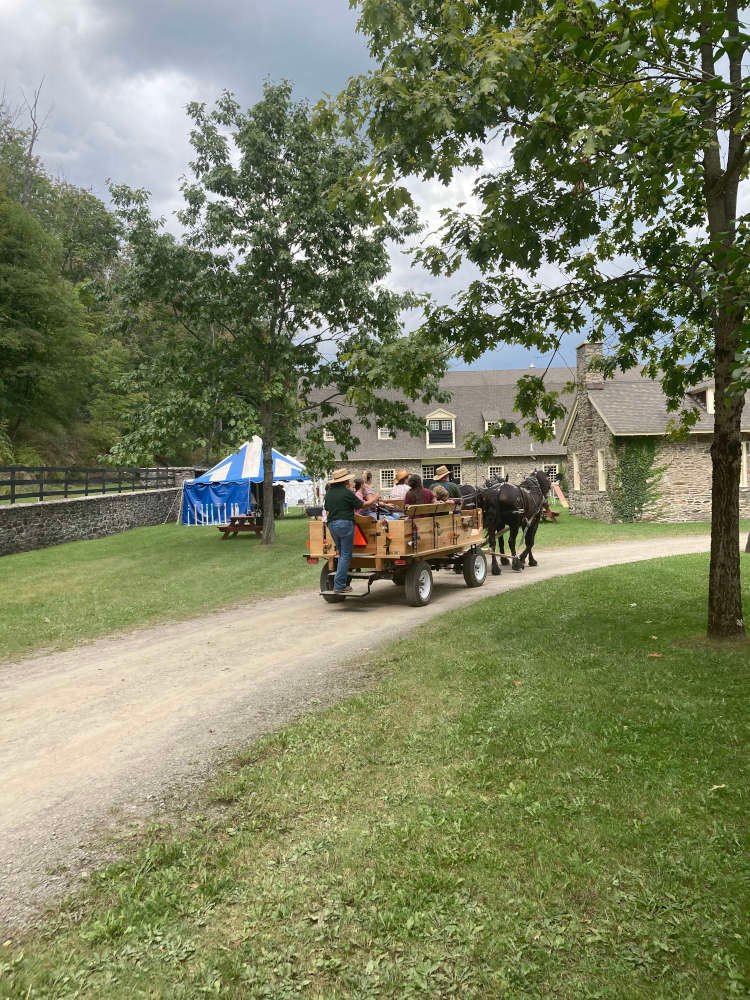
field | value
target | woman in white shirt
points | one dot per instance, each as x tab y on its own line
399	491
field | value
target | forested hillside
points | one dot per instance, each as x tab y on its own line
68	349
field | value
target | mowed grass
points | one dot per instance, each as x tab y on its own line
54	598
544	795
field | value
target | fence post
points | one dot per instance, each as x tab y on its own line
41	484
104	480
65	482
119	480
85	482
12	485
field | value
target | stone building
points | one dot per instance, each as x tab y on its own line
630	407
478	399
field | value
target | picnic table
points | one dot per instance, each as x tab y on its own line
241	522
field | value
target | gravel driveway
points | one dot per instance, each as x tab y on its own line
96	738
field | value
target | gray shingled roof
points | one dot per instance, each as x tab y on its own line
630	407
475	397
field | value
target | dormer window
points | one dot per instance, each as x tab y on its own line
385	434
441	429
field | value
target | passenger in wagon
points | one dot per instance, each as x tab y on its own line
417	492
442	495
443	478
367	487
399	491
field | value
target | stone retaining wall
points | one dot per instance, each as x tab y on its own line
26	526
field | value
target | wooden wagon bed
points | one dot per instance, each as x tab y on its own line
427	530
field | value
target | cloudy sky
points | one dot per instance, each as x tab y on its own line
117	75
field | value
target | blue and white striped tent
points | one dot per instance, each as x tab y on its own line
225	490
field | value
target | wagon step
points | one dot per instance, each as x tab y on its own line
328	593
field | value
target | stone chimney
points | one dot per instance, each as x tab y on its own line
585	353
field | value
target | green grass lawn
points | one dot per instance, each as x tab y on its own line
54	598
539	799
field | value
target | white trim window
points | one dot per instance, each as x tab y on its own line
385	434
744	460
328	436
711	400
553	472
387	478
496	470
576	474
601	469
441	430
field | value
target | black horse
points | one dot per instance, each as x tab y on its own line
514	507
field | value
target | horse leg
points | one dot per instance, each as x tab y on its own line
532	539
515	562
503	558
491	536
529	539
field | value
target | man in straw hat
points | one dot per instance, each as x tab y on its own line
442	477
399	491
340	504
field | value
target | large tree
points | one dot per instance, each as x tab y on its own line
277	285
610	140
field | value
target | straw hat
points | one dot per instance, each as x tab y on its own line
341	476
402	474
442	472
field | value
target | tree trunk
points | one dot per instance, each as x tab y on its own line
724	591
269	524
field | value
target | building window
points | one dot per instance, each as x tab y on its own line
428	472
385	434
552	472
744	480
576	474
441	430
328	436
601	468
387	478
496	470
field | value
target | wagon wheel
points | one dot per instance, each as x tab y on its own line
475	568
418	584
326	583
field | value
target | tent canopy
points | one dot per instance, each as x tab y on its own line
225	490
246	465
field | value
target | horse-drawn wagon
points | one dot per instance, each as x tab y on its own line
428	537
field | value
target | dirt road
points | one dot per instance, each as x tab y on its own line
96	737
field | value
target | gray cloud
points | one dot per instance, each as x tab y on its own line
118	74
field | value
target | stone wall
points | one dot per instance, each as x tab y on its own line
26	526
684	488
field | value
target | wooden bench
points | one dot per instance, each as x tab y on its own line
241	522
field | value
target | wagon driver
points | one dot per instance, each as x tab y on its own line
340	503
443	478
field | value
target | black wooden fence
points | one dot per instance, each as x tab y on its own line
42	482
